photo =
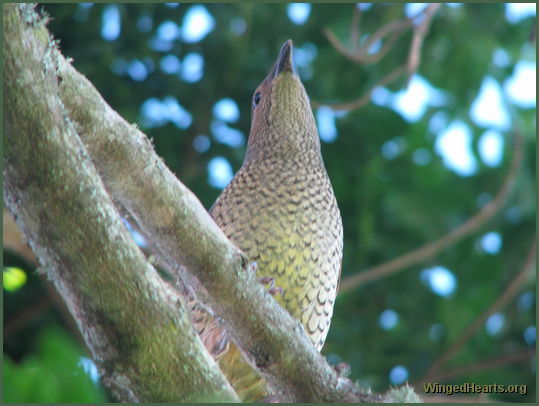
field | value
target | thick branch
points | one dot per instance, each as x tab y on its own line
136	326
13	239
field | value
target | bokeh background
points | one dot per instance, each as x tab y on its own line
415	162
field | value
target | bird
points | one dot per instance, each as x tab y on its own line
280	210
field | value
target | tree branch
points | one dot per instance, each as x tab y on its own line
13	239
481	366
429	250
354	28
508	294
136	326
420	31
361	54
365	98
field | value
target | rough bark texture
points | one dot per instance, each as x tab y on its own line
135	325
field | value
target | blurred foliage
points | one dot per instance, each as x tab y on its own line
389	206
51	373
13	278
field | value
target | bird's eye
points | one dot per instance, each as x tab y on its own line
256	99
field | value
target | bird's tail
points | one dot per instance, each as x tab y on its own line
247	383
249	386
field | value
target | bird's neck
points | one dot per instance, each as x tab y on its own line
283	147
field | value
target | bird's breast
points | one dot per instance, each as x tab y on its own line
287	220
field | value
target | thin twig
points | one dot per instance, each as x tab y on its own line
361	54
355	28
429	250
419	35
365	98
393	26
340	48
388	45
480	366
508	294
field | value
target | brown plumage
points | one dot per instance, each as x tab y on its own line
280	210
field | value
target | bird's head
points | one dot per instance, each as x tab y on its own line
282	119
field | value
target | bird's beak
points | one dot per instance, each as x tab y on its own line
285	60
